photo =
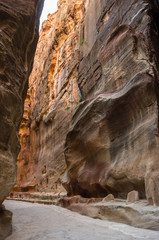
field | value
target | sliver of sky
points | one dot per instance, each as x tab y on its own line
50	6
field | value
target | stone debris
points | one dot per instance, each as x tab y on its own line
108	198
133	196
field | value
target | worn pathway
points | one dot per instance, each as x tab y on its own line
42	222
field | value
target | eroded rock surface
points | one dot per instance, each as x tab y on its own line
112	146
98	62
137	215
52	99
18	39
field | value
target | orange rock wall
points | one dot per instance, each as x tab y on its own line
51	101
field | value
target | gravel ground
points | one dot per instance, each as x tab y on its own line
44	222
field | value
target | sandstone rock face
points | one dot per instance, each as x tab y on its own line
18	39
52	100
98	62
112	146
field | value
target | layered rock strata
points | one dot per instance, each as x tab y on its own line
112	146
18	39
98	62
52	100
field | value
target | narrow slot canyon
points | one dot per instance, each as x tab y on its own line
79	142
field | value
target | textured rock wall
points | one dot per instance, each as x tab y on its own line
18	39
98	62
112	146
54	96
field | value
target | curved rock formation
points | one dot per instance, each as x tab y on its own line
18	39
112	146
98	62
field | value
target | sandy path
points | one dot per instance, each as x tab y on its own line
43	222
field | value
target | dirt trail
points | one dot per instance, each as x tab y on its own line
43	222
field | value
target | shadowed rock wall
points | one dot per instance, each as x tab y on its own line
18	39
112	146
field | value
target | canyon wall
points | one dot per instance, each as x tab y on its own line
18	38
112	146
92	106
52	99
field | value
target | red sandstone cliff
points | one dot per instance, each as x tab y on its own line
103	53
52	100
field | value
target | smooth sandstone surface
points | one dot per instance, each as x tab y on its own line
18	38
39	222
137	215
133	196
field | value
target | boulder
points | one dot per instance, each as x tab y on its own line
108	198
133	196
